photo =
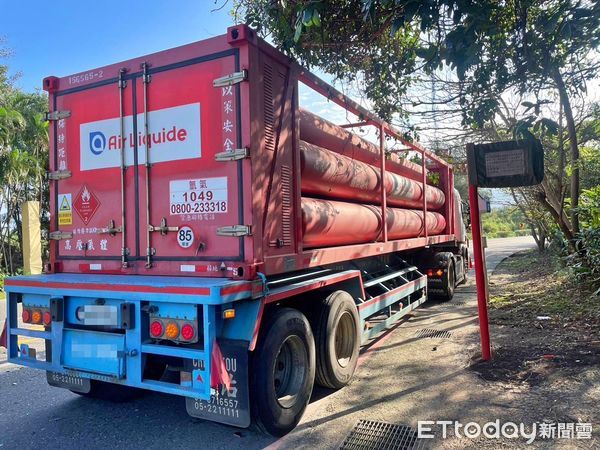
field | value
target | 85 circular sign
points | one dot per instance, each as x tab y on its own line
185	236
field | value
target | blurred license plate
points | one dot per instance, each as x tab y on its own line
99	315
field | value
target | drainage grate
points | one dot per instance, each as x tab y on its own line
368	434
433	334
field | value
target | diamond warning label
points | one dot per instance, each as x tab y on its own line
65	209
86	204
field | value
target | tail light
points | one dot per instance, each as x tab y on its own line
156	329
26	315
437	273
47	318
178	330
172	331
36	316
188	332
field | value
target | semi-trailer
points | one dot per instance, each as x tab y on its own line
211	239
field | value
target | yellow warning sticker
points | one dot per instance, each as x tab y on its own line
65	210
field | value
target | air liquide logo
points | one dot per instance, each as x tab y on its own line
97	142
174	134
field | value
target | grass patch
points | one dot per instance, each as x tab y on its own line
530	284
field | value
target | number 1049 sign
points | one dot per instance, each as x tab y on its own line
198	196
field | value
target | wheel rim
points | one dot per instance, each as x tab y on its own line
450	278
289	373
345	334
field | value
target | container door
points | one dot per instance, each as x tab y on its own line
95	187
187	196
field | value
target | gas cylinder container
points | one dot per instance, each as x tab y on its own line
318	131
335	176
328	223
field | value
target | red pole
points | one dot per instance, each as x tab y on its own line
480	274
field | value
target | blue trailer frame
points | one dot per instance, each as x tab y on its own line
124	352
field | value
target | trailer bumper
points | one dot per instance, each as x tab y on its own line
99	328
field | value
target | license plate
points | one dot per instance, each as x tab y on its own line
99	315
70	382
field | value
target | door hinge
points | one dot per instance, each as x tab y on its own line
163	228
59	175
57	115
231	79
110	229
235	231
233	155
60	235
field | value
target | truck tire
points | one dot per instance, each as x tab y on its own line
337	340
448	282
282	372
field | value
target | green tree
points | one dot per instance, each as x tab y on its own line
23	164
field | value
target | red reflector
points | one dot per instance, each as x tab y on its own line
156	329
26	316
187	332
47	318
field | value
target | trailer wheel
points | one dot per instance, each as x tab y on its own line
283	372
337	340
449	282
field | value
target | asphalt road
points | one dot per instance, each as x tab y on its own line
32	414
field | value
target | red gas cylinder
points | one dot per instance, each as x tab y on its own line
318	131
328	223
329	174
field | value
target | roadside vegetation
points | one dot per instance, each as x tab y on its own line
529	288
23	165
504	222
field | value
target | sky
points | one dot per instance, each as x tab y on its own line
64	37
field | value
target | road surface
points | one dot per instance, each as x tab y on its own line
409	383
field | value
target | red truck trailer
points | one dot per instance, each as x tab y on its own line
213	240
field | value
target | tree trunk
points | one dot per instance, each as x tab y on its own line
558	219
572	133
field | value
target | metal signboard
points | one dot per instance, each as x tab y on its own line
506	164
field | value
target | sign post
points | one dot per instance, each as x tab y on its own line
499	164
480	274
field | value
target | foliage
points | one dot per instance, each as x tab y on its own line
23	164
490	45
586	261
504	222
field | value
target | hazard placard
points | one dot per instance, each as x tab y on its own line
86	204
65	209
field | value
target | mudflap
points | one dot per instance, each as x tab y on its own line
229	406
